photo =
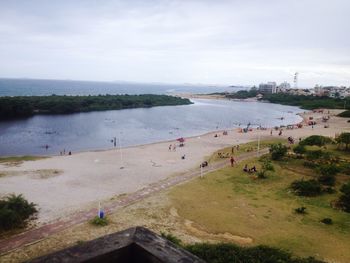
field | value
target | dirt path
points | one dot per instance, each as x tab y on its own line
40	233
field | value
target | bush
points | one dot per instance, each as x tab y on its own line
309	164
317	140
261	174
344	139
15	211
345	168
226	253
328	172
316	155
171	238
268	166
299	150
300	210
345	114
307	188
278	151
327	221
97	221
344	199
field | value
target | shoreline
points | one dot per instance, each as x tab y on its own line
253	126
69	183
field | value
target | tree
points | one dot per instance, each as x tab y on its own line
317	140
344	199
344	138
278	151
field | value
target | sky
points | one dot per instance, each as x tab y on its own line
237	42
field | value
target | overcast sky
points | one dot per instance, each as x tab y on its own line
217	42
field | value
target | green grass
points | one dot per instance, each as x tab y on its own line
244	148
230	200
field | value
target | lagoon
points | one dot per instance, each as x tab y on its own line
96	130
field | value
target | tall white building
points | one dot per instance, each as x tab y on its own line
268	88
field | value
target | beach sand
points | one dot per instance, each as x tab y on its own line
65	184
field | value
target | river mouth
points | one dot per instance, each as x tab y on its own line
59	134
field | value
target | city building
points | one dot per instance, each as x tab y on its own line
268	88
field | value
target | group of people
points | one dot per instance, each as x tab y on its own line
64	152
172	148
233	149
249	170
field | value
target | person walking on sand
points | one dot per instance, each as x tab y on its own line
174	148
232	160
170	147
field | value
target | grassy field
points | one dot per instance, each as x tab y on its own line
232	201
244	148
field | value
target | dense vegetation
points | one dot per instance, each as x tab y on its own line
227	253
17	107
15	212
345	114
243	94
307	102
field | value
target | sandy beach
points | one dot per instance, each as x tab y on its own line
65	184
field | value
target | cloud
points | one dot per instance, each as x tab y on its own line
229	42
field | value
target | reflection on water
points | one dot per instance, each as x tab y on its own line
95	130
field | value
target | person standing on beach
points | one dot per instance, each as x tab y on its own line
170	147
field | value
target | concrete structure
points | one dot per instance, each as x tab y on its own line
269	88
283	87
133	245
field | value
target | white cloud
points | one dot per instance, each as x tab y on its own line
229	42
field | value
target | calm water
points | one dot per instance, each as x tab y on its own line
35	87
94	130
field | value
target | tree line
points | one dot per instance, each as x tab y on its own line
26	106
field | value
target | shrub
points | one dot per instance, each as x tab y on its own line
225	253
344	139
268	166
328	172
299	149
171	238
327	221
344	199
300	210
15	211
97	221
307	188
278	151
329	190
315	155
261	174
345	168
317	140
344	114
309	164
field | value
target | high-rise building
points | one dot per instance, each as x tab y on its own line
268	88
